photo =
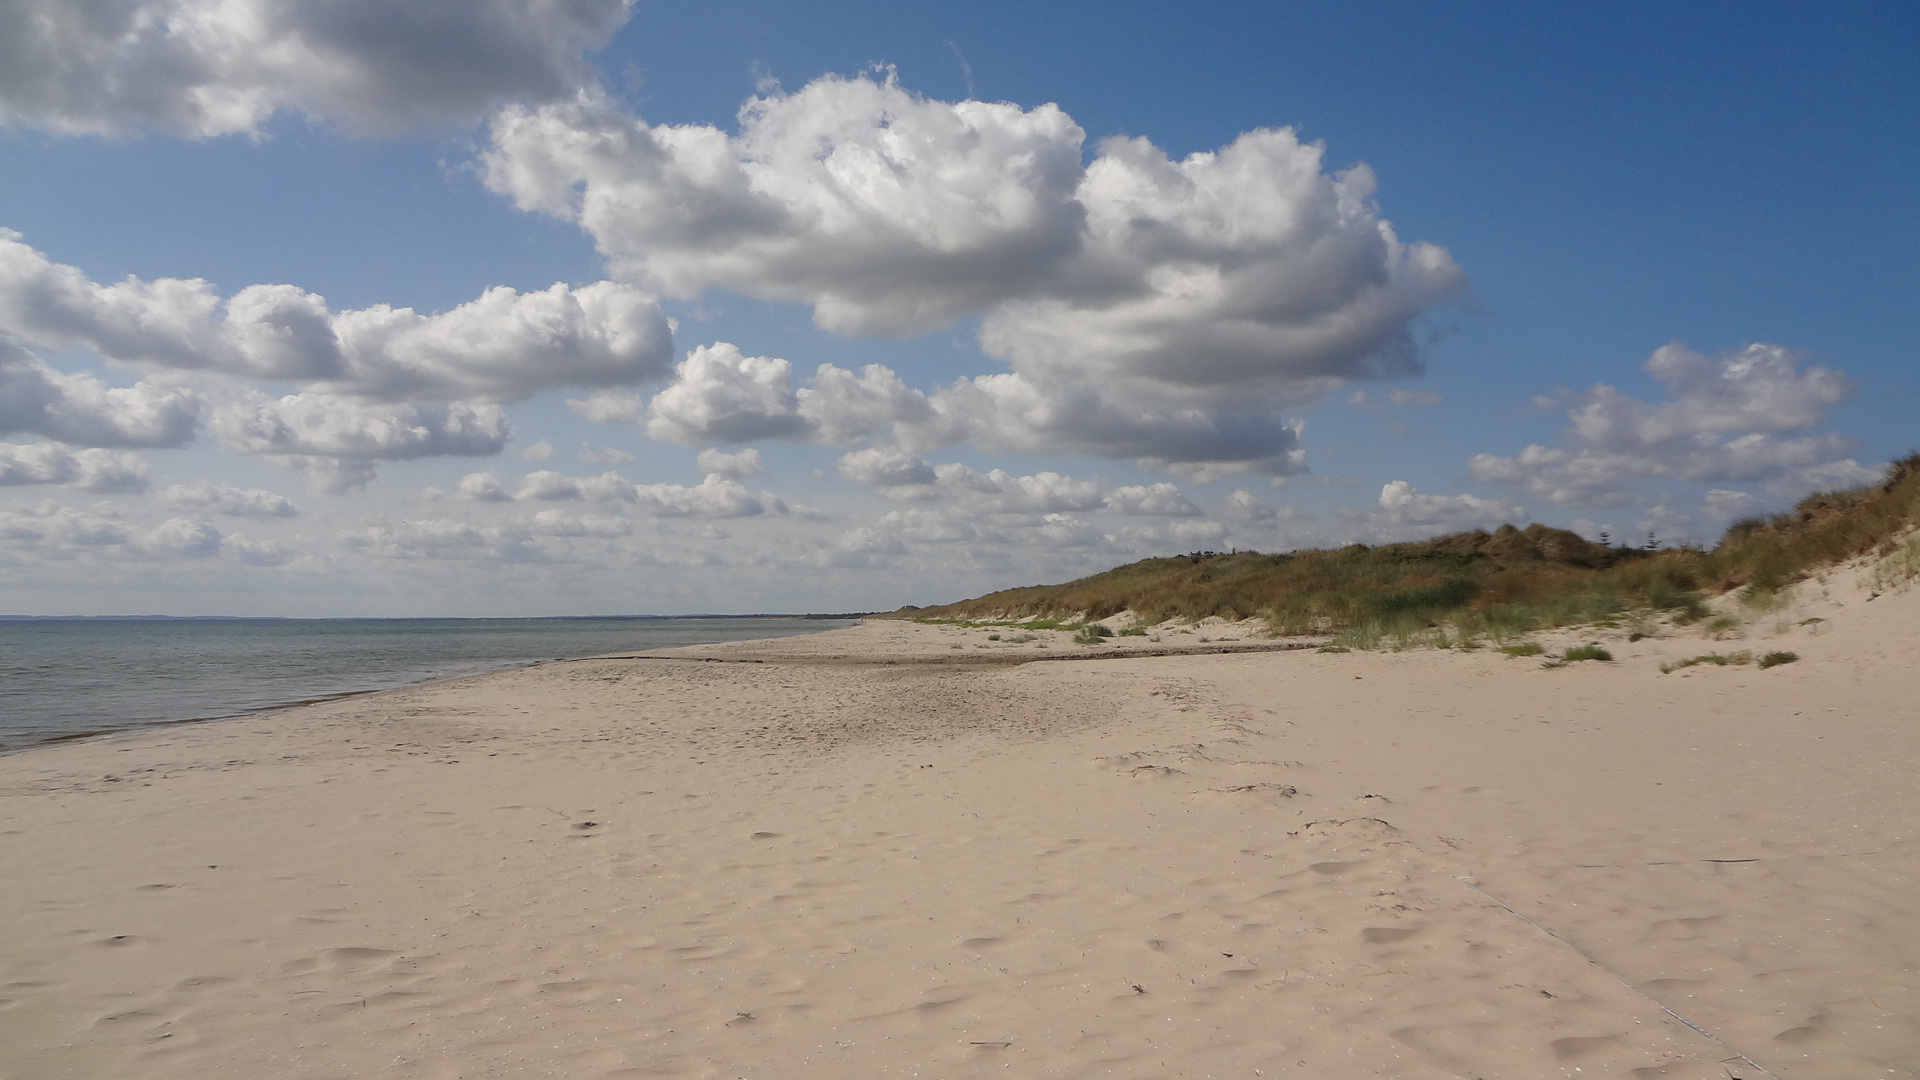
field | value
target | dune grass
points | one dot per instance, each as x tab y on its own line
1456	590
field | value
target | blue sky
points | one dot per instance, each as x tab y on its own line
1345	272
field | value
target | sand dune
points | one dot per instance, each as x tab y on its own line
1422	864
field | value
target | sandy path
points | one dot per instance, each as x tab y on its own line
1257	865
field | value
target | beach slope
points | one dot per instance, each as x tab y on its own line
834	857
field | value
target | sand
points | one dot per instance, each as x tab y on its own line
855	855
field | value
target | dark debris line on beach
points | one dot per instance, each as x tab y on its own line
975	660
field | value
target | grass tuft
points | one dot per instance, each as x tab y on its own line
1586	652
1091	634
1715	659
1775	659
1524	648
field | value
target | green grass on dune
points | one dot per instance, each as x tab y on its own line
1454	590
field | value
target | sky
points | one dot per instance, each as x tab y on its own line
544	307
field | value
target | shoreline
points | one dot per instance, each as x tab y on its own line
354	680
1422	864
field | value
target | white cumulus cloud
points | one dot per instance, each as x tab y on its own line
201	68
1161	500
501	346
214	498
36	399
738	466
714	497
719	395
103	471
336	440
1149	307
1731	418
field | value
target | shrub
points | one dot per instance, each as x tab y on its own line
1091	634
1716	659
1586	652
1501	585
1775	659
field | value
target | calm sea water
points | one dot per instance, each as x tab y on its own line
65	678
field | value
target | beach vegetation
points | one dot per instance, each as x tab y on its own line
1775	659
1715	659
1586	652
1498	586
1524	648
1091	634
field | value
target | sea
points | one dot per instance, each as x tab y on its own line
70	678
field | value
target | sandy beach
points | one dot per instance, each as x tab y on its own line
892	851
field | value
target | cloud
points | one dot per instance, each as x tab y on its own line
887	468
1403	504
481	487
1727	419
899	474
201	68
1148	307
210	497
540	451
190	537
49	524
842	407
103	471
611	455
1162	500
328	475
715	497
608	407
1406	514
1244	507
862	548
562	524
887	212
719	395
1011	412
327	425
255	552
81	410
738	466
436	538
336	440
1399	397
547	485
502	346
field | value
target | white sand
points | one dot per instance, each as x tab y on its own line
1423	864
